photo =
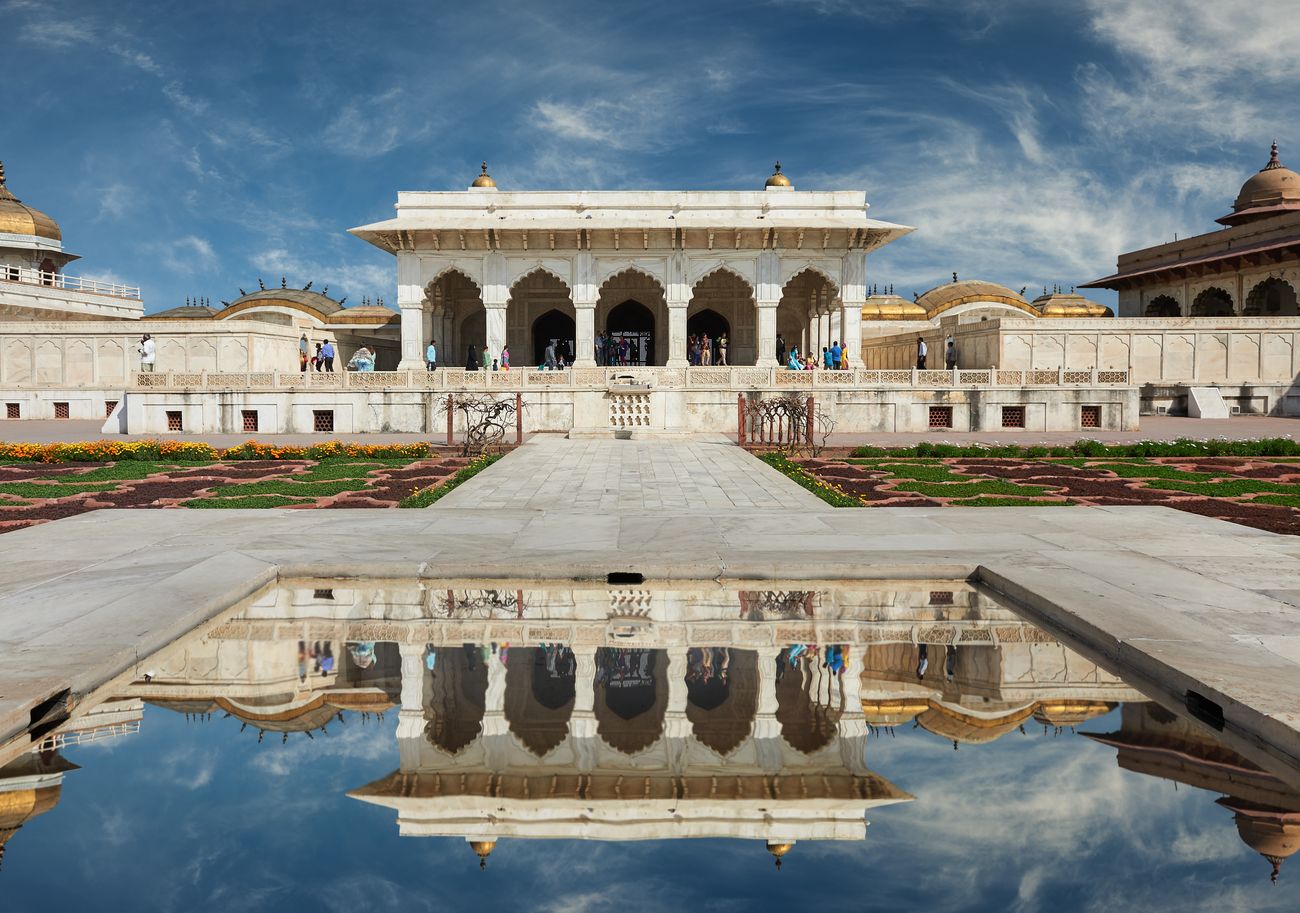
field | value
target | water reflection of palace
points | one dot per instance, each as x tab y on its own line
618	714
1153	741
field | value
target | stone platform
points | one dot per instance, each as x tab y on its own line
1172	601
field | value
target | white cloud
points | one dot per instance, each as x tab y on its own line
634	120
189	254
56	33
353	279
374	126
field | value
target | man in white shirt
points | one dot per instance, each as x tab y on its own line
921	351
147	351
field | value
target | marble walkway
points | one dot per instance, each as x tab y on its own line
600	476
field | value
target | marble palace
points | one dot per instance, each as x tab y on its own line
1207	325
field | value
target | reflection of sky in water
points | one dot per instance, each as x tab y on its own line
197	815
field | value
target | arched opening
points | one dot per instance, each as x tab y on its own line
809	701
631	697
457	689
631	326
631	308
454	316
540	691
708	331
1271	298
1163	306
1213	302
540	312
554	328
722	306
721	695
808	316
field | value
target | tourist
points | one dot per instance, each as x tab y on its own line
696	353
600	349
722	349
431	356
487	359
922	660
794	364
505	358
362	360
950	355
921	351
318	360
623	350
548	356
471	359
327	353
706	350
950	662
837	353
148	353
844	359
828	360
303	355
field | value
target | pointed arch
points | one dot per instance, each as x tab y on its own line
702	271
457	697
448	271
1213	302
631	697
1163	306
540	694
632	268
721	695
1272	297
812	270
540	302
525	270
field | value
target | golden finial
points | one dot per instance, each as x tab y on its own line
483	849
2	174
778	850
778	179
484	179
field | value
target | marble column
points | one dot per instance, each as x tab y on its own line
496	329
767	729
766	327
496	730
852	340
410	718
584	336
676	725
412	331
582	722
823	333
677	333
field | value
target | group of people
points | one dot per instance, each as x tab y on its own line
834	357
614	351
923	352
322	359
703	351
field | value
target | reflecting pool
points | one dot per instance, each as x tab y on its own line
892	745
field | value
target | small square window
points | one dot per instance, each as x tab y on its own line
249	417
174	421
1013	416
1090	416
109	406
941	416
60	410
941	597
322	420
322	594
12	410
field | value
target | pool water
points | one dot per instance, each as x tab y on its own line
915	745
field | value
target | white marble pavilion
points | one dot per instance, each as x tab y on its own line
521	268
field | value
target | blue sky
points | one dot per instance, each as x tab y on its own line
190	148
199	816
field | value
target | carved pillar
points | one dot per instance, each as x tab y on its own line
496	329
853	297
767	297
584	337
410	718
582	722
412	331
677	334
676	725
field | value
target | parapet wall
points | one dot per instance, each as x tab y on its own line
1187	350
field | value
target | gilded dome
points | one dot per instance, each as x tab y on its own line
1274	833
483	849
891	307
778	850
1274	188
1070	713
484	179
1060	304
970	291
18	219
778	179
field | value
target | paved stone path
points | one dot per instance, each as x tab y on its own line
600	476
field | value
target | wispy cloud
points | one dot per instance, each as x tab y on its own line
374	126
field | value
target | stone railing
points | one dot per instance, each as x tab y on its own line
751	378
71	283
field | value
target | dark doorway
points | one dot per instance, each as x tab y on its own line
553	326
709	322
634	322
